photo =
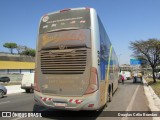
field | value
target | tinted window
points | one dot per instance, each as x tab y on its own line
66	19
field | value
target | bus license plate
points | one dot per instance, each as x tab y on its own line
60	104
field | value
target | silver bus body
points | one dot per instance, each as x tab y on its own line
63	87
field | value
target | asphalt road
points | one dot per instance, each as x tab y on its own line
128	97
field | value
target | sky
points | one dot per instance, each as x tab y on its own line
124	21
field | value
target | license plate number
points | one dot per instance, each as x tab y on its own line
60	104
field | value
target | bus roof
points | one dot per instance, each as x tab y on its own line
67	9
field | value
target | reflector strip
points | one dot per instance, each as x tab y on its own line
70	100
75	101
46	99
50	99
78	101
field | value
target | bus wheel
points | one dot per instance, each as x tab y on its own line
105	105
110	93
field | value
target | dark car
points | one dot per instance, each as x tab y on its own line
4	79
3	91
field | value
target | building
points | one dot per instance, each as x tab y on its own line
7	67
16	64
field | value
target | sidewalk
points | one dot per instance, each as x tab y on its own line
14	89
153	99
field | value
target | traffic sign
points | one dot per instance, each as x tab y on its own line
135	62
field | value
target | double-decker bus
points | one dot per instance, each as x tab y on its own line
76	65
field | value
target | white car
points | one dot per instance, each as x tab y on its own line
28	82
127	75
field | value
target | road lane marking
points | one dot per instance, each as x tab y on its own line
4	102
129	107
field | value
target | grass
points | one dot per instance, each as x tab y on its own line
155	86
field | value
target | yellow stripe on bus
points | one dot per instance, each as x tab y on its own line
108	67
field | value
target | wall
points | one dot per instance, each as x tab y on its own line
13	77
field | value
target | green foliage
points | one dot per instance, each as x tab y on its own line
10	46
148	51
22	50
156	87
29	52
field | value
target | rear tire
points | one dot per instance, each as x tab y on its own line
110	93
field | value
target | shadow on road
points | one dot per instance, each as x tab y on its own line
4	97
67	115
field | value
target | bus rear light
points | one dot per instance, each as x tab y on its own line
91	105
36	87
65	10
93	83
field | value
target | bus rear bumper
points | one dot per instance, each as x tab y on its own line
86	102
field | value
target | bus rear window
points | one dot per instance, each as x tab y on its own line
68	38
79	19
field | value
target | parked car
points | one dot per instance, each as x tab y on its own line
28	82
4	79
3	91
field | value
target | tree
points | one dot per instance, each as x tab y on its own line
21	48
144	62
149	50
29	52
10	46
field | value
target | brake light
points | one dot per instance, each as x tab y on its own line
93	85
65	10
36	87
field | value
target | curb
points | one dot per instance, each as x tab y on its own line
153	99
